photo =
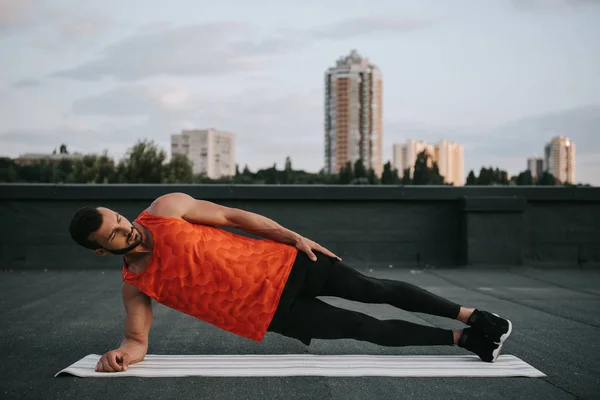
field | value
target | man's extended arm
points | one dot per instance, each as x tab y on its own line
208	213
137	328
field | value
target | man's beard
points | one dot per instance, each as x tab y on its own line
130	247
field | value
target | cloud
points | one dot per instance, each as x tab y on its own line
66	23
541	5
25	83
121	102
175	51
227	47
15	13
367	25
78	138
84	26
532	133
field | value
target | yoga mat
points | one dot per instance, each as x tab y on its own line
310	365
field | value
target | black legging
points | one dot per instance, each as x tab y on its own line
305	317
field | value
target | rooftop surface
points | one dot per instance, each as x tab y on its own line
51	319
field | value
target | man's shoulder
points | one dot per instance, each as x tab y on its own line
170	205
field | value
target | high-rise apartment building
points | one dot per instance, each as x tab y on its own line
559	157
353	114
449	157
535	166
212	152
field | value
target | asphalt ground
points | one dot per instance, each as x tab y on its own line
51	319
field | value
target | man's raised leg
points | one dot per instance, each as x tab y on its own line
346	282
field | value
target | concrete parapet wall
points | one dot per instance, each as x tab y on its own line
373	226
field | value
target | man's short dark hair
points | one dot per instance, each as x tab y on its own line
85	221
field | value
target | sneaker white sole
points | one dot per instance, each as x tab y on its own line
507	334
496	353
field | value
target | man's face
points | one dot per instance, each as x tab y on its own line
116	235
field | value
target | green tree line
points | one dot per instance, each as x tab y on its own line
145	162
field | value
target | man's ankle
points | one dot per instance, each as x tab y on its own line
464	314
457	334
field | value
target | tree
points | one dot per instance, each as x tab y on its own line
63	149
547	179
424	174
501	177
63	171
83	169
387	177
471	178
179	170
8	170
485	177
421	171
525	178
346	174
372	178
434	175
142	164
93	168
105	170
359	169
247	172
406	177
46	171
287	175
271	175
491	176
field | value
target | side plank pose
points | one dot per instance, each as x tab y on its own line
177	253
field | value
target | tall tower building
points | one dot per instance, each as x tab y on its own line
559	157
450	160
405	155
212	152
535	166
353	114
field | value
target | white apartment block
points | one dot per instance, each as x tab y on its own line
535	166
559	157
450	160
449	157
211	152
353	114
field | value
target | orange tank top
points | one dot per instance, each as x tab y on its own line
230	281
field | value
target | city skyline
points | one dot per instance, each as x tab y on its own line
82	75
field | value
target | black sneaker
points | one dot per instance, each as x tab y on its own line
496	328
477	343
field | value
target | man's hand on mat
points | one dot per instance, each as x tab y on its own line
113	361
307	246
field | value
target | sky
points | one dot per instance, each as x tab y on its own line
501	77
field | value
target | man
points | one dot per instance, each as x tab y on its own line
177	253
